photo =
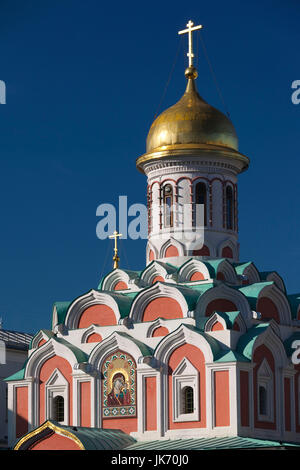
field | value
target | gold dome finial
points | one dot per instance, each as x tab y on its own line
190	72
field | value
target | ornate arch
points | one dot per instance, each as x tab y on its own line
275	294
49	349
186	335
115	276
223	291
228	243
157	291
171	242
153	270
93	297
190	267
226	268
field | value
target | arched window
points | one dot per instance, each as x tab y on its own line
168	205
229	208
59	408
262	400
187	400
201	198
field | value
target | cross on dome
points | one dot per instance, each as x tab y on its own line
189	30
116	258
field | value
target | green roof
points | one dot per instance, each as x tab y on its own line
16	376
207	443
61	309
95	438
252	291
229	317
240	267
246	342
79	354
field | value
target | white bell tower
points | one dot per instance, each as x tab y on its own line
192	164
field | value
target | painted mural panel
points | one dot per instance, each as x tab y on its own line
119	386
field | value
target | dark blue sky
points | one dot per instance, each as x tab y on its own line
84	80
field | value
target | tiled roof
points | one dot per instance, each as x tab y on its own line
15	339
205	443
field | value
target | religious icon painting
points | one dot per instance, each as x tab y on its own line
119	386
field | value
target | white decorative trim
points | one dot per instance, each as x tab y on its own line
56	385
185	375
80	304
159	289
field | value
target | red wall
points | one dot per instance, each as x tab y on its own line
160	331
171	251
120	286
196	357
158	278
222	403
197	276
164	307
221	305
260	353
151	404
287	403
204	251
244	397
85	404
101	315
94	338
55	442
21	411
268	309
46	371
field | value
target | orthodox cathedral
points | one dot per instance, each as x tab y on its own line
198	346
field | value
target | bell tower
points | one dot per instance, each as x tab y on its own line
192	164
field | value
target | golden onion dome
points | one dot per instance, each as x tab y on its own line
191	121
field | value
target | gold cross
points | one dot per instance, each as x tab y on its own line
116	258
190	29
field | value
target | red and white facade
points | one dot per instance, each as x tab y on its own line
197	344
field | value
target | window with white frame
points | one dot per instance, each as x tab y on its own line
57	390
265	392
186	393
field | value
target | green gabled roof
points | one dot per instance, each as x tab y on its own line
212	266
17	375
123	300
288	343
229	317
252	291
145	350
61	309
79	354
208	443
294	301
231	356
246	342
240	267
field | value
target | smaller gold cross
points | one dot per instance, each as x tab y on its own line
116	258
190	29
